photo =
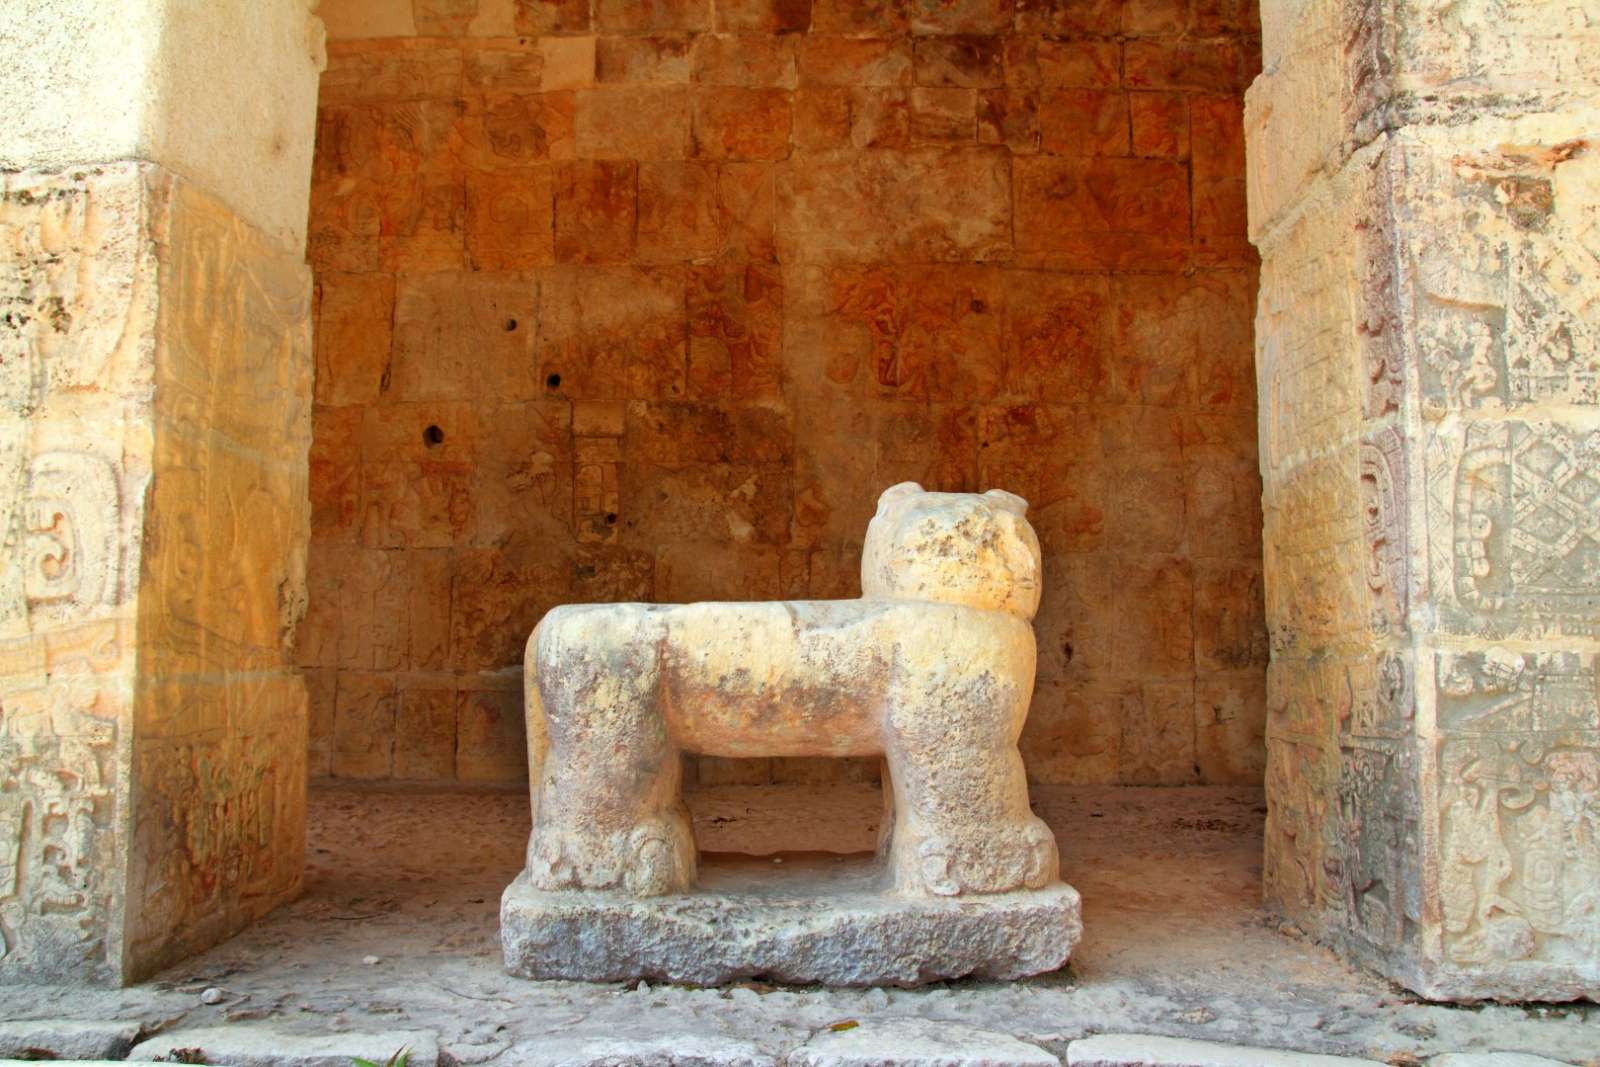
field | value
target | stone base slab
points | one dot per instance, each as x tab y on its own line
798	918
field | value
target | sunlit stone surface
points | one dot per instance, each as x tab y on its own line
931	669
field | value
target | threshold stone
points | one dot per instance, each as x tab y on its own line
245	1045
813	918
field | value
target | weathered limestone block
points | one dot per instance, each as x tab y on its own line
932	668
77	352
155	513
1428	364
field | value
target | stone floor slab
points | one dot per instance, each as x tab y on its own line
816	918
1494	1059
66	1039
914	1042
246	1045
1146	1050
681	1049
1175	941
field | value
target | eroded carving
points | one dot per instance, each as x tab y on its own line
1519	809
1520	864
1378	827
1383	491
74	268
1507	285
1521	551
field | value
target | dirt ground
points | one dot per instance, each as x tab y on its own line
397	929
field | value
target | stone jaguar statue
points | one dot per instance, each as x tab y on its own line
932	668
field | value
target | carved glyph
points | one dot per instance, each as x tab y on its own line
1514	527
75	363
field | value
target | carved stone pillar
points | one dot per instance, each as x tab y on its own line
155	374
1425	192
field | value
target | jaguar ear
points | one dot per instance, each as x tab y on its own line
1009	501
894	492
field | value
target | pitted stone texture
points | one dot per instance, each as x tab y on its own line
66	1039
932	669
810	919
1144	1050
174	85
916	1042
1425	341
246	1045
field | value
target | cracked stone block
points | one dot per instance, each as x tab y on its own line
917	1043
258	1046
1144	1050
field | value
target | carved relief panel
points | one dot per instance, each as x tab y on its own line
1520	806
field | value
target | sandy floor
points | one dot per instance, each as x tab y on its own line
1175	941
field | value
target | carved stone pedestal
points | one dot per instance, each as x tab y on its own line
811	918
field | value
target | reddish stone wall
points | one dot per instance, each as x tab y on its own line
650	301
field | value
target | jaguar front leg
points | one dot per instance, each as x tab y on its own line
961	818
610	814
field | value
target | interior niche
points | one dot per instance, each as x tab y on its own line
651	303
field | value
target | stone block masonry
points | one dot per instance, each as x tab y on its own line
649	302
1425	200
155	416
155	498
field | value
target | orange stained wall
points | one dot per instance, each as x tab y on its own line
649	301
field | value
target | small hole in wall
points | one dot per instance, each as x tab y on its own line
554	381
433	437
1066	650
611	518
511	324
